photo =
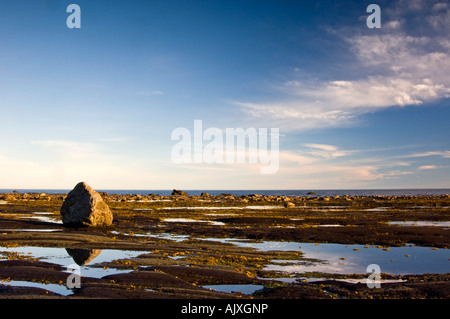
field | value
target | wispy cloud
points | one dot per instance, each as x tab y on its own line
397	68
150	93
69	149
445	154
325	151
427	167
114	139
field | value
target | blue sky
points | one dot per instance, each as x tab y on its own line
356	107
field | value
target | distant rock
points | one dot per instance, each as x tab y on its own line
83	256
9	197
311	193
83	206
178	192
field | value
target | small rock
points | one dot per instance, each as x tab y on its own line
9	197
178	192
83	206
289	204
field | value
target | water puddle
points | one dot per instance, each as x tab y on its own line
190	220
377	209
46	219
66	257
421	223
327	225
176	238
264	207
349	259
58	289
318	279
364	281
83	257
339	258
245	289
30	230
326	208
222	207
40	216
163	236
219	214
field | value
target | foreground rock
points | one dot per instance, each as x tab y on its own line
85	207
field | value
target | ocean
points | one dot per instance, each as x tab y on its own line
319	192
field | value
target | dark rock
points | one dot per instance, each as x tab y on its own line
178	192
289	204
9	197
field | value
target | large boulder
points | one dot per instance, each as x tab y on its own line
83	206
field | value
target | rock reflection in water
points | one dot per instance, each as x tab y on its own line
83	256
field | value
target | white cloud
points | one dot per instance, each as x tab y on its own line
395	24
427	167
445	154
325	151
398	68
324	147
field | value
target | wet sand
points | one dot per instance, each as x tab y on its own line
186	245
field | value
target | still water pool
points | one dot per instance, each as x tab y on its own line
349	259
65	258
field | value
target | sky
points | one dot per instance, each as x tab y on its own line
355	107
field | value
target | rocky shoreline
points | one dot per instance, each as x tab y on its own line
185	244
178	195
